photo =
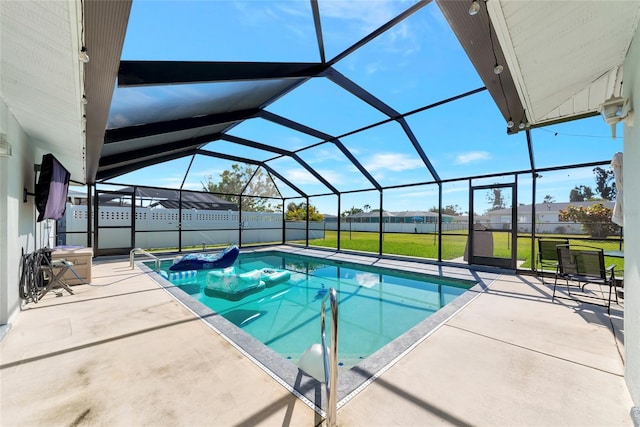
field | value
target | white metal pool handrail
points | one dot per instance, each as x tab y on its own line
134	251
330	360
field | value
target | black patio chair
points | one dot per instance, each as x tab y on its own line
548	254
584	265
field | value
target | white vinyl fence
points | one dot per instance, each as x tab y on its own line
159	227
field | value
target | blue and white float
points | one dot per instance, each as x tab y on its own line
179	275
230	284
273	276
202	261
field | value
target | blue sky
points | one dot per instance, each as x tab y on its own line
416	63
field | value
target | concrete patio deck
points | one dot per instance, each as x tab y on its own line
124	352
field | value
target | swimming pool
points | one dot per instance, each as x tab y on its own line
382	313
376	306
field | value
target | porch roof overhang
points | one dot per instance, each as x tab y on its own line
43	81
562	59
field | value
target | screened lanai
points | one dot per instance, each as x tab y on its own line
390	111
342	109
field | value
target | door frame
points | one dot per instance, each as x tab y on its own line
510	263
98	227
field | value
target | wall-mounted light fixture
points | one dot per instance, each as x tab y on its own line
616	109
5	147
474	8
84	56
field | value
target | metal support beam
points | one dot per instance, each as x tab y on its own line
283	152
157	153
313	172
321	135
91	189
418	148
240	220
339	226
252	162
359	92
357	164
285	180
147	73
439	222
413	9
283	121
379	105
229	157
530	149
307	222
159	128
318	26
108	172
253	144
381	229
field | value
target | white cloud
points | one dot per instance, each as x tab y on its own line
322	155
369	15
373	67
294	142
455	190
379	176
419	194
395	162
471	157
302	176
192	186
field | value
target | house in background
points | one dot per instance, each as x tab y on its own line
404	217
170	199
547	217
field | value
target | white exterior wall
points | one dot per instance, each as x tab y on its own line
16	217
631	182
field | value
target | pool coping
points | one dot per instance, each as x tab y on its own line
356	379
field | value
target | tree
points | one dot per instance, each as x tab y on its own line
581	194
605	183
233	181
298	212
353	211
548	199
595	219
366	208
448	210
494	196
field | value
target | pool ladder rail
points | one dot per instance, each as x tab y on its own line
330	360
135	251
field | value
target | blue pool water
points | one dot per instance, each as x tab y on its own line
376	305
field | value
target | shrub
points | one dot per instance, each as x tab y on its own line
595	219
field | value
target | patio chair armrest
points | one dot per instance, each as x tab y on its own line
611	270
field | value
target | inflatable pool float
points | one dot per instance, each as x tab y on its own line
228	284
179	275
272	276
203	261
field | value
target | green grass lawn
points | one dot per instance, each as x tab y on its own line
453	245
